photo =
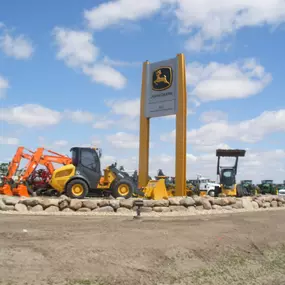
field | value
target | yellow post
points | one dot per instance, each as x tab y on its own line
144	134
181	118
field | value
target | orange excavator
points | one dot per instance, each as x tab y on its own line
21	187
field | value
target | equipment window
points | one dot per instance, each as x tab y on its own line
87	159
228	174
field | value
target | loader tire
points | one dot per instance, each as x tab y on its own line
123	188
77	188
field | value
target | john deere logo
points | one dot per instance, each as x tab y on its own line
162	78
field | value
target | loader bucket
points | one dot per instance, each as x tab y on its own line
156	190
6	190
21	190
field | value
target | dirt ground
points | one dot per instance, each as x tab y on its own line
235	249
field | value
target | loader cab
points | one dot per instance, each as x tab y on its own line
87	163
228	177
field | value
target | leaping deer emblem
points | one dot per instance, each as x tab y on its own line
160	78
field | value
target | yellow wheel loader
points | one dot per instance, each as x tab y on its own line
83	176
227	174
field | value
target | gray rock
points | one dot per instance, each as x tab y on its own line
161	209
255	205
62	205
49	202
90	204
200	208
174	201
148	203
161	203
21	208
31	202
75	204
198	200
280	204
206	204
10	207
177	208
259	202
216	207
11	200
64	198
266	205
232	200
193	209
104	209
274	204
84	210
123	210
104	203
221	201
280	199
228	208
127	203
237	205
115	204
187	202
268	199
52	209
2	205
37	208
246	204
67	210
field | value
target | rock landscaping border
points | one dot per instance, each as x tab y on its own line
172	206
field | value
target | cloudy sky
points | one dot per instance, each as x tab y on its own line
70	74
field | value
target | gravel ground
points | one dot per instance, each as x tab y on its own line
241	248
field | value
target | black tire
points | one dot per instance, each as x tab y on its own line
124	183
240	190
70	189
212	193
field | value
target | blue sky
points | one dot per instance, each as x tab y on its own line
70	74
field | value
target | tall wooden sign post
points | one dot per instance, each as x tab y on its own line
163	93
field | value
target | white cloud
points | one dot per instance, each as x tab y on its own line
217	81
106	60
79	116
209	21
248	131
114	12
30	115
75	47
61	143
9	141
213	116
4	84
123	140
77	50
19	47
106	75
129	108
103	124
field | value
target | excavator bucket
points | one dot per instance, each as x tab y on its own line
21	190
156	190
6	190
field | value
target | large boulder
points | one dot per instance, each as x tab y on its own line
161	209
51	209
105	209
75	204
177	208
237	205
84	210
247	204
274	204
104	203
37	208
198	200
67	210
148	203
90	204
115	204
187	202
161	203
255	204
21	208
206	204
30	202
216	207
175	201
62	205
49	202
127	203
11	201
221	201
